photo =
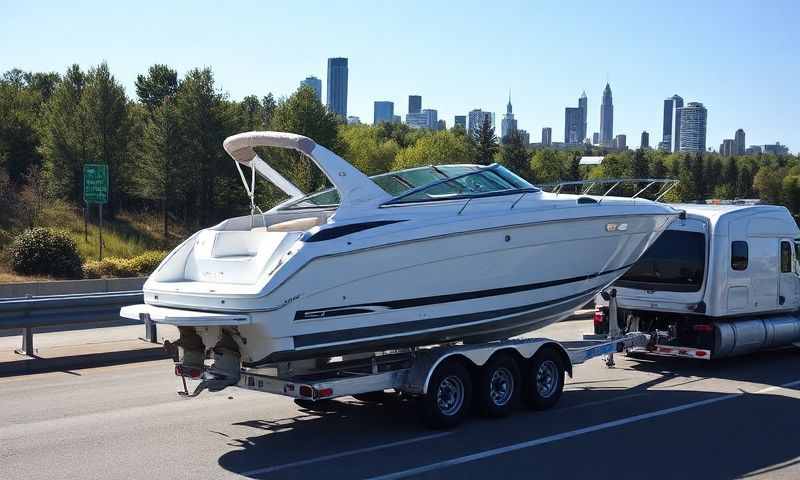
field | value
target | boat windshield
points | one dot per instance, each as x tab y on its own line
430	183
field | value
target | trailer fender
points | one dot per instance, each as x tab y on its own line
420	374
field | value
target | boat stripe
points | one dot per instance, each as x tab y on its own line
436	299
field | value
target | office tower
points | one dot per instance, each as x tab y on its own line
508	124
475	119
383	112
441	125
621	141
353	120
460	121
427	118
677	102
596	138
666	130
727	147
414	103
607	118
739	140
337	86
776	149
645	143
583	103
547	136
316	84
524	137
396	119
572	125
753	150
693	127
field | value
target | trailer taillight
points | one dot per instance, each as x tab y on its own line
325	392
703	328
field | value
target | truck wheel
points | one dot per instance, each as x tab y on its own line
544	381
371	397
448	399
498	386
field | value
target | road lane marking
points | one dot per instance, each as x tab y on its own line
574	433
333	456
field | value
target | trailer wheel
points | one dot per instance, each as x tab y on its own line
448	399
498	386
544	380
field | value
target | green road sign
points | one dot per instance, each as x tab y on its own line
95	183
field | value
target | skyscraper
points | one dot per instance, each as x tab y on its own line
666	130
739	138
572	125
645	143
524	137
547	136
427	118
583	103
727	148
508	124
476	118
414	103
337	86
460	121
316	84
677	102
596	138
693	127
621	141
607	118
383	112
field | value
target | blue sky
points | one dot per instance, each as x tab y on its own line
740	58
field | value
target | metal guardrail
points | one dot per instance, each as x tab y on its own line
30	312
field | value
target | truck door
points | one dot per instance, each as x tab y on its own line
788	281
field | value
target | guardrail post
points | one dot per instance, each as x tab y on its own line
150	328
27	343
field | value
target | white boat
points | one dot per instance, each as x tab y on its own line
404	259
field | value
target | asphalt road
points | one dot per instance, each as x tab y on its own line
644	419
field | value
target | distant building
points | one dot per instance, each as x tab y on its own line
607	118
693	127
476	118
670	135
547	136
596	138
441	125
460	121
677	102
645	143
621	141
414	103
353	120
739	141
753	150
508	124
524	136
315	84
427	118
664	146
727	148
776	149
383	112
572	127
396	119
583	103
337	86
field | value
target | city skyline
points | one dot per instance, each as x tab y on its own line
271	57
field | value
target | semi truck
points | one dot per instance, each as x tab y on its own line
723	280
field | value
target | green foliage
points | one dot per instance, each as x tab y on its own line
768	183
486	142
160	82
438	148
514	155
45	251
140	265
363	146
791	193
547	167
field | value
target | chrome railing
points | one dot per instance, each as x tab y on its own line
584	187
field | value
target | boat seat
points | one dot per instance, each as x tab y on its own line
295	225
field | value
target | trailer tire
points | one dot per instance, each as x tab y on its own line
448	399
499	383
544	380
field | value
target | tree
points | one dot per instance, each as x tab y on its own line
791	193
514	155
768	183
574	169
659	170
435	148
303	114
730	176
744	184
268	107
697	173
251	110
363	147
547	167
640	167
20	104
159	83
486	142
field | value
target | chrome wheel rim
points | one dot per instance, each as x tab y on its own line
547	378
501	386
450	395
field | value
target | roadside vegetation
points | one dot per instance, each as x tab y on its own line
169	175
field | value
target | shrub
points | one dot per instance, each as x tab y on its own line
143	264
45	251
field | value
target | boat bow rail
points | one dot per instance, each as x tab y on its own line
584	187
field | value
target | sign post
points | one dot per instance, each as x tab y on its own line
95	190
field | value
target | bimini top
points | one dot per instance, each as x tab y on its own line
355	188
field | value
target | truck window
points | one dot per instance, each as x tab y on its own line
739	255
674	263
786	257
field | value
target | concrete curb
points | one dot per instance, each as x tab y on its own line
90	360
